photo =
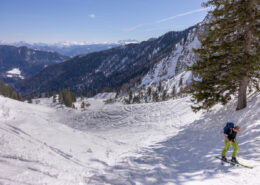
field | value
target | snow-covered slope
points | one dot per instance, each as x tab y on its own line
188	158
175	63
171	69
53	145
153	143
170	72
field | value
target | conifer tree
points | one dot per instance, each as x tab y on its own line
229	57
14	95
155	96
130	97
60	97
54	98
83	105
160	88
20	98
164	95
149	91
173	91
67	98
29	99
117	93
180	82
7	91
136	99
3	89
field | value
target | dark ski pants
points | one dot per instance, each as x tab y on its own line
227	145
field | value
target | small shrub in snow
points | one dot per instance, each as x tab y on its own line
110	101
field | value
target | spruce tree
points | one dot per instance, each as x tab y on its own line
149	91
229	58
160	88
136	99
67	98
54	98
155	96
61	101
14	95
173	91
29	99
164	95
3	88
181	82
83	105
7	91
20	98
130	97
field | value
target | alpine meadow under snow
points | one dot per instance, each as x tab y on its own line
152	143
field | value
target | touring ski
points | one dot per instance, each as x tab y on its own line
235	164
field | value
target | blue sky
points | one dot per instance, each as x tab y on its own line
95	20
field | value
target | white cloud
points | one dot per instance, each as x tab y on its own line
92	16
166	19
182	14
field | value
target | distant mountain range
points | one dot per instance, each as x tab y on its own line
126	66
18	63
118	68
71	49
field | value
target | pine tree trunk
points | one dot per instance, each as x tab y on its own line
242	95
242	92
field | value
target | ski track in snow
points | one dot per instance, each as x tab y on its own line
154	143
188	158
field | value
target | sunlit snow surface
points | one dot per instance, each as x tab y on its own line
155	143
15	72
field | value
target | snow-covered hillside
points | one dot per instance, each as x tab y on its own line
171	69
170	72
174	64
153	143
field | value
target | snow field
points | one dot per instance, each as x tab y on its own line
189	156
153	143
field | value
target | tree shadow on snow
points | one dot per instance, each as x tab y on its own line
190	155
